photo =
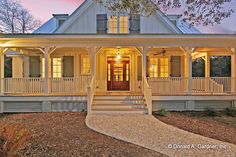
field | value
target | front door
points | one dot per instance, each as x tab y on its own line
118	74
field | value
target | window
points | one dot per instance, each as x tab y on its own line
118	24
164	67
124	25
86	65
56	67
159	67
153	70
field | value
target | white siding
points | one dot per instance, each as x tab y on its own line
86	22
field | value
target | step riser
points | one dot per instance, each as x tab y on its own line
118	102
118	97
118	107
119	112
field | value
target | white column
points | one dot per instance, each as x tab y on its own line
233	71
47	59
1	73
92	61
144	61
207	66
190	73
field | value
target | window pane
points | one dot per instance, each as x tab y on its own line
124	25
86	66
113	24
57	65
164	67
153	71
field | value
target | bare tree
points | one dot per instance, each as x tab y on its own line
14	18
27	22
205	12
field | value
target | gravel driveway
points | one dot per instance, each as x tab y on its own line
66	135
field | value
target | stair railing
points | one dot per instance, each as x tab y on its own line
147	92
90	95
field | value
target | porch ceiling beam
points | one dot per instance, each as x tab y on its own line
140	51
49	50
5	50
98	50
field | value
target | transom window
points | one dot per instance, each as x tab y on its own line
57	67
118	24
159	67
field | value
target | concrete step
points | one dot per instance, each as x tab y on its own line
119	111
118	97
115	102
117	106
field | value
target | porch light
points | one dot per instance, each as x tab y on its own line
118	57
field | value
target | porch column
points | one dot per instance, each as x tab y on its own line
233	71
47	58
1	71
92	51
189	71
144	61
207	66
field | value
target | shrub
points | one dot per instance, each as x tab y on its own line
162	112
230	112
211	112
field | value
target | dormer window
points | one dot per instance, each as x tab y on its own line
60	22
118	24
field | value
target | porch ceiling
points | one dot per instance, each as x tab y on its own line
162	40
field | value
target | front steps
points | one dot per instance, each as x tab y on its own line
119	104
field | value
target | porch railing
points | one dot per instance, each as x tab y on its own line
168	86
200	85
23	85
36	86
147	92
90	94
70	85
206	85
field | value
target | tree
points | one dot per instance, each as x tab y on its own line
203	12
14	18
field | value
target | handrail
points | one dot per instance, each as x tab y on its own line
90	95
147	92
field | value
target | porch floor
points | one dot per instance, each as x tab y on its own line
148	132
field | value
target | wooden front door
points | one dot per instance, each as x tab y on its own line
118	75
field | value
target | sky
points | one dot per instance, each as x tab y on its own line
43	10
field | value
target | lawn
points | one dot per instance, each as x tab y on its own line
220	126
59	135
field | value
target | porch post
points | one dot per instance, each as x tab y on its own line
1	71
47	58
233	71
92	51
207	66
144	67
190	73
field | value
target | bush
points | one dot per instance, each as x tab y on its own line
211	112
230	112
162	112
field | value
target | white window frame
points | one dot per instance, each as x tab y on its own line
61	66
159	66
81	65
118	23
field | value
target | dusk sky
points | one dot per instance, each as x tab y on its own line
43	10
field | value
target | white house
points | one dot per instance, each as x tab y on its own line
100	62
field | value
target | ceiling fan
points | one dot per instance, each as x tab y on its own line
163	52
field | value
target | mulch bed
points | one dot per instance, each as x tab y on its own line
65	135
222	128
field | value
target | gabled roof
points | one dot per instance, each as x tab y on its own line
52	27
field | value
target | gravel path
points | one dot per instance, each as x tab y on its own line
66	135
151	133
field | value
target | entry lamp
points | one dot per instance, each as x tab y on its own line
118	56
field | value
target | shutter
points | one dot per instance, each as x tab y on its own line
148	66
139	68
101	23
135	24
34	63
68	66
175	66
